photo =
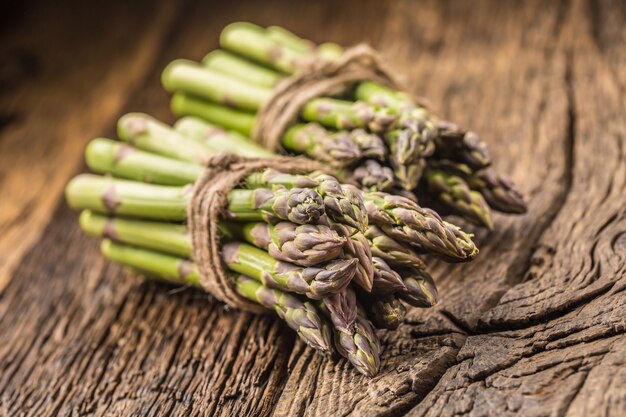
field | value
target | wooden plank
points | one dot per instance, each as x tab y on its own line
74	71
533	327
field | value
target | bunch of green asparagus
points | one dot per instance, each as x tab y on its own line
374	136
333	261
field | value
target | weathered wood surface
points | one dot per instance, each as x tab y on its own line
536	326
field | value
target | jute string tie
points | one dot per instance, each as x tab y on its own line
317	79
224	171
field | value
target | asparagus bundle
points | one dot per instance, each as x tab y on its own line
300	245
377	137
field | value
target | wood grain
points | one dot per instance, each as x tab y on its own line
535	326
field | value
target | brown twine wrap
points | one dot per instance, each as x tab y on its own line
224	171
319	78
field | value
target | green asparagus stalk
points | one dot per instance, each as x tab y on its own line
390	250
343	203
271	178
151	135
106	156
460	145
371	145
196	142
499	192
217	139
419	288
241	36
454	195
170	238
336	149
303	245
169	203
372	176
154	264
227	63
289	39
403	220
387	312
301	316
193	78
342	309
346	115
199	129
386	280
359	343
314	282
183	104
357	247
298	205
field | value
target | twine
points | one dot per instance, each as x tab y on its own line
319	78
224	171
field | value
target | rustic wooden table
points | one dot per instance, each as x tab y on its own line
535	326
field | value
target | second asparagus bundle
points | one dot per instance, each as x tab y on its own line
300	245
374	136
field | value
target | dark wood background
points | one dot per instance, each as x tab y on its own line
535	326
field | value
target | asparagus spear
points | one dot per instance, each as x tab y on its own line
314	282
457	144
183	104
386	280
386	312
453	194
169	238
218	139
358	343
241	36
298	205
500	192
373	176
342	309
225	62
343	203
304	245
130	198
419	288
303	317
193	78
193	141
106	156
357	247
149	134
336	149
402	219
346	115
300	316
390	250
271	178
154	264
